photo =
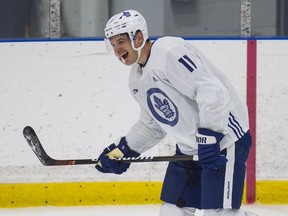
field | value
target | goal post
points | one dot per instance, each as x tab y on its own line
250	97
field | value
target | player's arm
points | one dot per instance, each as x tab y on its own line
212	98
145	134
142	136
187	72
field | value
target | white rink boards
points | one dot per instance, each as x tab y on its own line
76	97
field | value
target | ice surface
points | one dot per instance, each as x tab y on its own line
132	210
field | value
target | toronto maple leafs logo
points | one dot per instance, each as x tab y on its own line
126	14
162	107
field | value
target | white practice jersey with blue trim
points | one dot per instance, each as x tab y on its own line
179	90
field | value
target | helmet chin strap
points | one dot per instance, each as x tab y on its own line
139	49
139	54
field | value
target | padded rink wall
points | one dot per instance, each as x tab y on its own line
76	97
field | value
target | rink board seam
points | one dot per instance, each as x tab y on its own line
111	193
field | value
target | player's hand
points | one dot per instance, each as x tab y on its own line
107	162
209	149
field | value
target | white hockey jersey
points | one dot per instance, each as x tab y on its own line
178	91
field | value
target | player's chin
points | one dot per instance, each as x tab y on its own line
129	63
126	61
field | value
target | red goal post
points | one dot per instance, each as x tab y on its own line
251	97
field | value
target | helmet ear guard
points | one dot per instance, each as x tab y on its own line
129	21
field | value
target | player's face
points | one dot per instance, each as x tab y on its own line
123	49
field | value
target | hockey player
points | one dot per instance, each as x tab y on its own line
182	94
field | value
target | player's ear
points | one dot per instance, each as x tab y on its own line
139	39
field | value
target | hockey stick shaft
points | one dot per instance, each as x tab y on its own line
35	144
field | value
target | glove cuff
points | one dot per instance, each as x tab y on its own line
125	149
206	136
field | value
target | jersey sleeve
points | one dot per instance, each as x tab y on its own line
145	134
193	76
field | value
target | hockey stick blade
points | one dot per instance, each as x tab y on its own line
35	144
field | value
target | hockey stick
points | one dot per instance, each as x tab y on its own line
35	144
